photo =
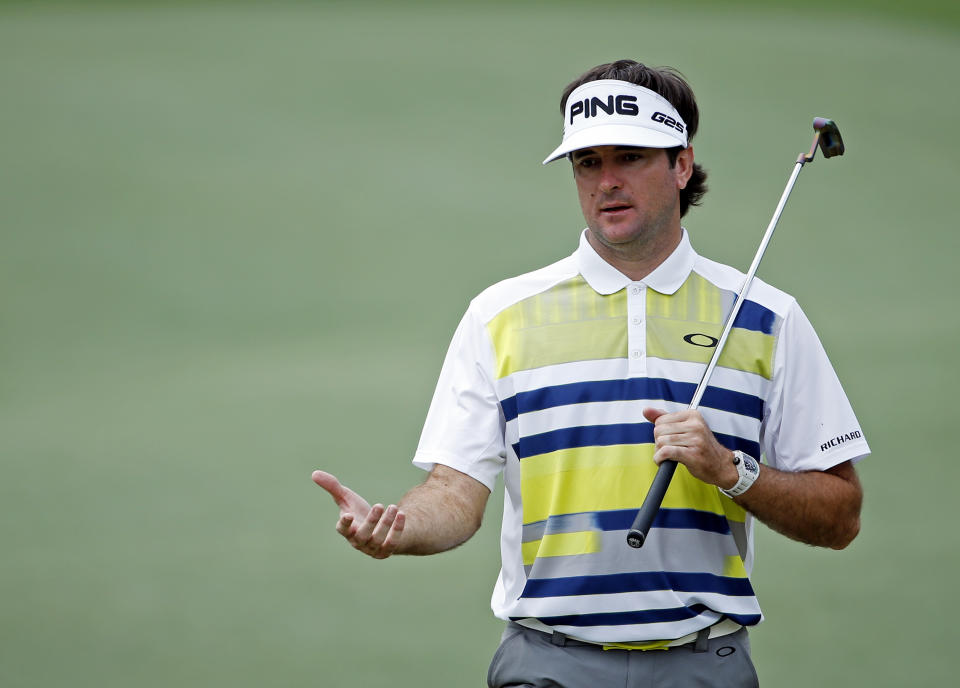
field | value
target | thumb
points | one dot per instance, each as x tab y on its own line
329	483
651	414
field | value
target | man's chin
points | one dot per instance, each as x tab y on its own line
616	236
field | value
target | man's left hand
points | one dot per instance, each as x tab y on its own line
684	437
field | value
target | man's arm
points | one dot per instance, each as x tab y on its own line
435	516
816	507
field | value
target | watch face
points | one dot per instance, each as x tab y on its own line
750	464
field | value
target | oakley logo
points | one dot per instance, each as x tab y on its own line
669	121
699	339
588	107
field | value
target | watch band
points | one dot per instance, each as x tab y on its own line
748	469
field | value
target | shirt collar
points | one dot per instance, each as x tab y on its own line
605	279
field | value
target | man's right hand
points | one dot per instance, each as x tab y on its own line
375	530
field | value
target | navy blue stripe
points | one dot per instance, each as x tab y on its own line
642	617
647	616
585	436
729	400
509	407
753	316
733	443
690	519
630	390
608	436
744	619
622	519
637	582
626	618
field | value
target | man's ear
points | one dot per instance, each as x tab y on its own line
683	168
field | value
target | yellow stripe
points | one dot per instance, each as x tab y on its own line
562	343
698	308
696	299
652	645
537	332
571	322
562	545
523	313
657	307
709	303
733	567
605	478
732	510
746	350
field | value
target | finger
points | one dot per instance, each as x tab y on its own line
329	483
651	414
392	540
664	429
691	427
345	525
669	453
362	536
692	421
383	526
673	439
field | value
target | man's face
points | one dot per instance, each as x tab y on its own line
630	196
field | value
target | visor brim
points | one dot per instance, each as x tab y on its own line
616	135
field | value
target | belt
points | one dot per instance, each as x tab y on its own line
698	638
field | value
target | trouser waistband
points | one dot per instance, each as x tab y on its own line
698	640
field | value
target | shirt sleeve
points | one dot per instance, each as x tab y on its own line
464	428
808	422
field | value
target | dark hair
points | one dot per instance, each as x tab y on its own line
670	84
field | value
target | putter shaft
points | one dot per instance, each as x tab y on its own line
637	534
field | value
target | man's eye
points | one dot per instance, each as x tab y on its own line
586	162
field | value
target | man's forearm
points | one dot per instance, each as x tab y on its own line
818	508
442	513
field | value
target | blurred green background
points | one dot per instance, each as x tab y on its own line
237	237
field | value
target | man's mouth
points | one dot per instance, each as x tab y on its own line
615	207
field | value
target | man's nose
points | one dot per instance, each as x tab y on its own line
609	179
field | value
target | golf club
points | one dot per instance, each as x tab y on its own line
827	138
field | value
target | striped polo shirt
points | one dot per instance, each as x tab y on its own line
544	384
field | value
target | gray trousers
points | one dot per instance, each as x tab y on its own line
529	658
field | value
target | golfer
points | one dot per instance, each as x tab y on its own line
572	384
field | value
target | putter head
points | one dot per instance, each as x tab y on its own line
827	137
830	141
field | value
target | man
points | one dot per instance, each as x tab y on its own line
573	381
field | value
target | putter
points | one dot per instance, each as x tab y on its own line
827	138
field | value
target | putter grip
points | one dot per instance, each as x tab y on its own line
651	504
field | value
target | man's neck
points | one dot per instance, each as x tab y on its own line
637	260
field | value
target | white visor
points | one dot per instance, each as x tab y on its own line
617	113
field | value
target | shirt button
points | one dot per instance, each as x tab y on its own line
638	321
635	353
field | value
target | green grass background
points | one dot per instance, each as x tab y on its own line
236	239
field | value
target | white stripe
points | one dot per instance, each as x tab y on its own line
686	371
627	601
562	374
614	412
718	629
617	369
633	633
687	550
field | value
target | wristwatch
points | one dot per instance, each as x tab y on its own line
748	469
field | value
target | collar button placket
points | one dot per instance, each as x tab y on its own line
637	329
